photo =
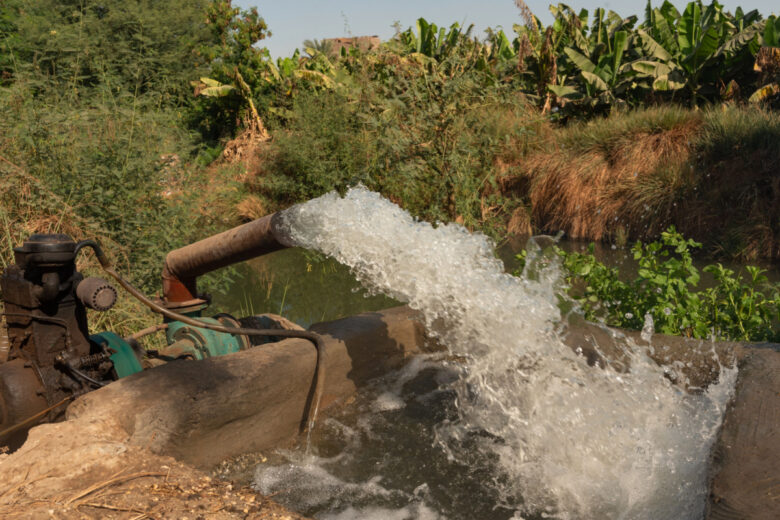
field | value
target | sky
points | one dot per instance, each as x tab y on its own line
293	21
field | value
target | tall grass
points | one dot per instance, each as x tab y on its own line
28	206
112	162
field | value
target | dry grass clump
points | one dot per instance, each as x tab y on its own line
244	146
251	207
620	176
520	222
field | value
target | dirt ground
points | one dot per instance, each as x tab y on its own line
129	450
146	490
103	477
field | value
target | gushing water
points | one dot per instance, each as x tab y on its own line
573	440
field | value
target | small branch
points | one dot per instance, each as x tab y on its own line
111	482
109	506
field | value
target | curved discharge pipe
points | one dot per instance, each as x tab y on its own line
183	266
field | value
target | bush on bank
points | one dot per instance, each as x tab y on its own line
666	292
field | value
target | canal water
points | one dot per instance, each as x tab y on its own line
509	423
308	287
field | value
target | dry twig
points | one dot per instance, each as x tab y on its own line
111	482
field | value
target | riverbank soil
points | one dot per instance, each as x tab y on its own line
68	474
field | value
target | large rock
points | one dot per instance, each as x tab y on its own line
746	466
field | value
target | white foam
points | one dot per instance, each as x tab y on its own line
575	441
412	512
387	402
306	483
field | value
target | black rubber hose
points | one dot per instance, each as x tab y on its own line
319	344
78	373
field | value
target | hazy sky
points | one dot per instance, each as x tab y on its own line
292	21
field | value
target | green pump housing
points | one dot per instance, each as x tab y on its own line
184	342
125	361
201	343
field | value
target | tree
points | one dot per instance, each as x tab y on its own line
322	46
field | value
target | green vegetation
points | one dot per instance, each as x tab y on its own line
94	118
602	126
95	139
743	306
584	126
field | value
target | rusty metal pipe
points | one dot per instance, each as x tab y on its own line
182	266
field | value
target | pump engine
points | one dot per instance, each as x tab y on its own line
52	358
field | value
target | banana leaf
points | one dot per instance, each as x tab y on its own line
689	28
581	61
315	77
765	93
665	82
740	40
595	80
652	48
565	91
211	88
651	68
771	34
619	46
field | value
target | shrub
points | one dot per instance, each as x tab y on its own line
742	306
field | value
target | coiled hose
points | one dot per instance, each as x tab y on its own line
313	400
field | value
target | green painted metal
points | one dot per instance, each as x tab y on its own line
125	361
207	343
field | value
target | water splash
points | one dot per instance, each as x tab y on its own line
648	329
574	441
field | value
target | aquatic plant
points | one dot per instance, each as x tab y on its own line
736	306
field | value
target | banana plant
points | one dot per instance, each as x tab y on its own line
771	35
317	70
681	49
500	48
250	118
604	74
768	64
433	41
539	48
605	24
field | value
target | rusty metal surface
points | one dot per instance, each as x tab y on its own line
5	345
47	333
96	293
21	396
184	265
181	349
